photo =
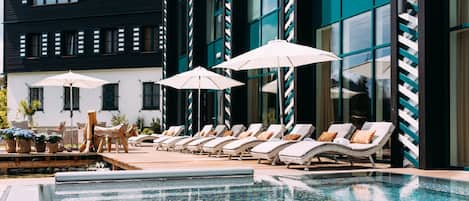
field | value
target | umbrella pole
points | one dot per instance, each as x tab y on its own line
198	108
279	93
71	106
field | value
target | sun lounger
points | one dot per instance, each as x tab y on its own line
137	140
196	145
269	150
241	146
161	138
303	152
216	145
170	144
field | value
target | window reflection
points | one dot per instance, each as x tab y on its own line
269	5
383	25
357	33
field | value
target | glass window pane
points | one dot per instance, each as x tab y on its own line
254	9
218	26
357	33
459	11
356	91
62	1
269	28
383	25
51	2
383	84
38	2
327	79
254	35
268	6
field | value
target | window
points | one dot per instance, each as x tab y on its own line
51	2
268	6
33	45
151	96
214	20
383	25
357	33
76	98
69	43
37	94
254	10
150	38
109	41
111	97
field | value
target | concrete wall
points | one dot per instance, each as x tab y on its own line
130	96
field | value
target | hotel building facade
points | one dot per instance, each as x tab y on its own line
402	61
117	41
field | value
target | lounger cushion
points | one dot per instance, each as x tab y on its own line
218	141
362	136
238	143
265	135
169	133
244	134
267	147
210	133
291	137
327	136
228	133
299	149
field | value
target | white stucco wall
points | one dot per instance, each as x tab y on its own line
130	96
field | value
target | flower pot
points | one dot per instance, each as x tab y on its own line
10	146
23	146
40	147
52	147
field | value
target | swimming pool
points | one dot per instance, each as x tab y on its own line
344	186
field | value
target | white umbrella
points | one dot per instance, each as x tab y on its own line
278	54
71	80
271	87
200	78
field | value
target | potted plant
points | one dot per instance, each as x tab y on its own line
23	140
52	143
28	110
40	143
7	135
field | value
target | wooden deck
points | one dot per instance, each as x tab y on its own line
146	158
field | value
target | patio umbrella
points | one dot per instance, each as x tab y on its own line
271	87
278	54
71	80
200	78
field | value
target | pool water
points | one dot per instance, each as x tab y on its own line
362	186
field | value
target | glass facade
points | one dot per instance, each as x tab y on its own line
358	88
459	86
263	19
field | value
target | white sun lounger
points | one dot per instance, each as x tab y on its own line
170	143
216	145
137	140
269	150
180	144
196	145
241	146
303	152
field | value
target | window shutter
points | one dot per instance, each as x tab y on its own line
22	45
120	40
160	37
136	39
81	42
44	44
57	43
96	41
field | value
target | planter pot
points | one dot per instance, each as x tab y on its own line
52	147
40	147
23	146
10	146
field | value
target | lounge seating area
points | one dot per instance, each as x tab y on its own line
278	146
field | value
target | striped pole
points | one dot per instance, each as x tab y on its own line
227	51
190	38
289	34
165	25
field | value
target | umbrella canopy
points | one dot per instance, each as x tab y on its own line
278	53
71	79
200	78
382	68
271	87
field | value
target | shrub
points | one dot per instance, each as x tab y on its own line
140	123
23	134
28	109
53	138
3	109
118	119
155	125
8	134
40	138
147	131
